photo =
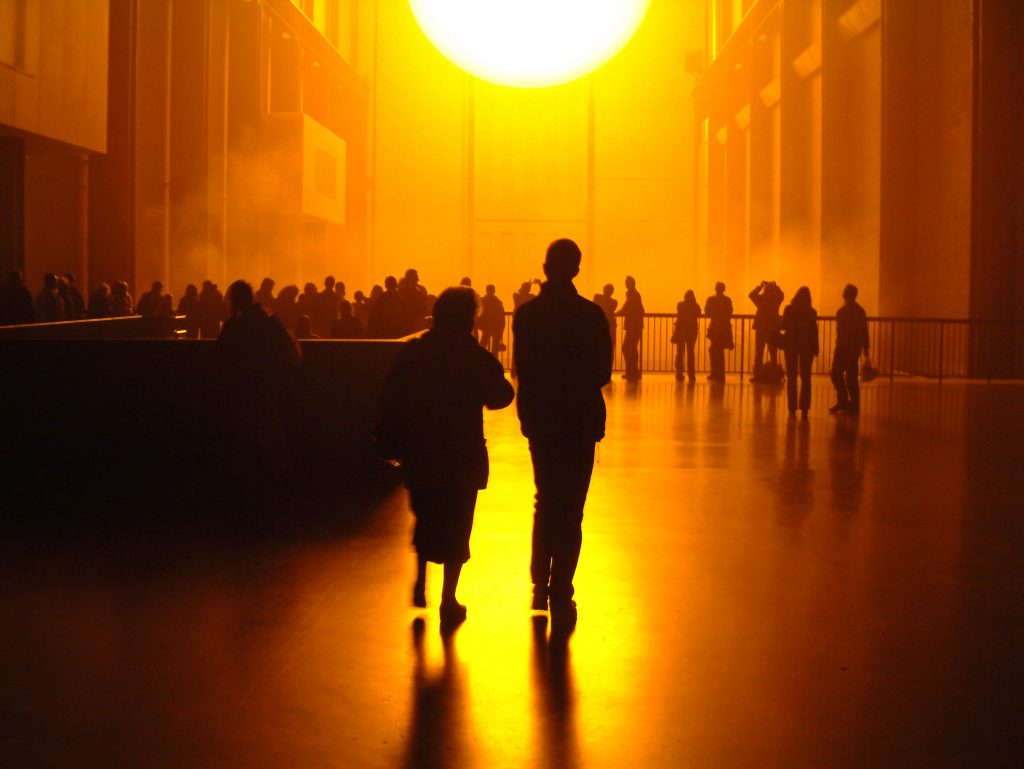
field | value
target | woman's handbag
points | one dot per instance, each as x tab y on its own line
868	370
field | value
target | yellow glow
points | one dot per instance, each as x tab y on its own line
529	43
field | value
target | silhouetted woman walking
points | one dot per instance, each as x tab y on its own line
431	422
800	341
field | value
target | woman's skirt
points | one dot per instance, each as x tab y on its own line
444	521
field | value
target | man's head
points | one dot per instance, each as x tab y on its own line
391	283
524	288
562	262
345	308
719	288
455	310
466	282
630	282
329	282
157	286
490	289
70	278
850	292
339	288
608	289
240	296
50	281
412	276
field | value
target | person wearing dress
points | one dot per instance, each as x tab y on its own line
432	424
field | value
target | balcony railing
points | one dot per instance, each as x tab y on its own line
938	348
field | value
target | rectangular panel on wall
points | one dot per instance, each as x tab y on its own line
531	153
323	172
530	158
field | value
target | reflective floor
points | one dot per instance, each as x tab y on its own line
753	592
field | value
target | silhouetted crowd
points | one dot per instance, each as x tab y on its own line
404	306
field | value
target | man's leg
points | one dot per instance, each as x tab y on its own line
838	378
562	471
630	342
852	385
691	367
545	478
760	342
717	353
577	467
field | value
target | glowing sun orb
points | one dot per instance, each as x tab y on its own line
529	43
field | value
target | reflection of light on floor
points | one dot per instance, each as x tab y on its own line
753	592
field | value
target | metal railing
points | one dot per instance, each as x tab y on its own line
938	348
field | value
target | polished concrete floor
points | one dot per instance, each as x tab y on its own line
753	592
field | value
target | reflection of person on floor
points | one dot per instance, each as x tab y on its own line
767	298
718	308
555	693
563	353
431	422
800	329
851	339
632	313
684	335
439	734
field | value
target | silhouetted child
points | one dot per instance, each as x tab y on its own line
99	302
304	328
431	422
346	326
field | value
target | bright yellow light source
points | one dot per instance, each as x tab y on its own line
529	43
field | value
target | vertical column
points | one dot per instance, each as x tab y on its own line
997	234
12	206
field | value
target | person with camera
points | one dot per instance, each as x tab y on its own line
767	298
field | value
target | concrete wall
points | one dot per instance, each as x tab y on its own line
134	418
53	70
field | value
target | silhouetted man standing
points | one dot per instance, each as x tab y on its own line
632	313
562	352
851	338
718	309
